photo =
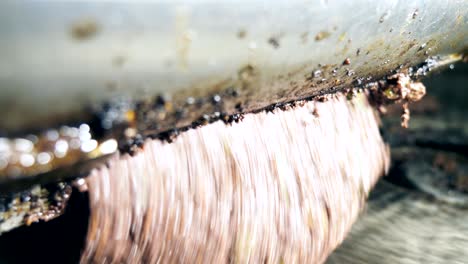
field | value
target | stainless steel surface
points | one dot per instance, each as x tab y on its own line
146	47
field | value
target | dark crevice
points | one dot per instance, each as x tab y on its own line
57	241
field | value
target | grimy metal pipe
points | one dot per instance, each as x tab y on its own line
58	55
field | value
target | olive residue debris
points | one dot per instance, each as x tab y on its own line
84	29
322	35
397	88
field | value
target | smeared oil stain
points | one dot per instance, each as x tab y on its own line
459	20
342	37
322	35
119	60
241	34
184	36
246	75
383	17
274	42
84	29
415	13
304	37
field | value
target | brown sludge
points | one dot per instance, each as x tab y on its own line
281	187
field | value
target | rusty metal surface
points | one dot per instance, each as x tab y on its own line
58	56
